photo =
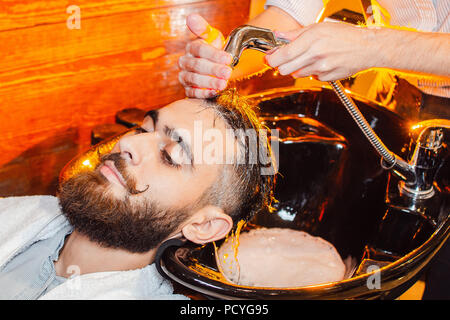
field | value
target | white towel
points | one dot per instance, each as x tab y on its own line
138	284
24	220
27	219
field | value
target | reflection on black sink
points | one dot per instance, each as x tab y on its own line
312	158
331	185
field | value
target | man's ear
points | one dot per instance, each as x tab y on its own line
206	225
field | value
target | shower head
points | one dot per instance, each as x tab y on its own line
250	37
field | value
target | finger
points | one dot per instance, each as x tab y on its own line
202	29
290	35
307	71
199	93
332	75
297	63
315	70
288	52
191	79
197	24
200	49
205	67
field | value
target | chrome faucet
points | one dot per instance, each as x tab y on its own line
417	174
425	156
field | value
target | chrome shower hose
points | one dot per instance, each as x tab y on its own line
362	123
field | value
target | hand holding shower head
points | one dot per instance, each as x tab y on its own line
250	37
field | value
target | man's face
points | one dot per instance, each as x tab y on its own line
162	157
148	182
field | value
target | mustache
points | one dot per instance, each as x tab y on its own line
121	165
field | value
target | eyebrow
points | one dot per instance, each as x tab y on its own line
152	114
173	135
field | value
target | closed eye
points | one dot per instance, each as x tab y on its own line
167	159
164	155
139	130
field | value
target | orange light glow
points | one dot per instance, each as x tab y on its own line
211	34
153	54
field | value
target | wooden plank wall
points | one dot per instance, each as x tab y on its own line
57	83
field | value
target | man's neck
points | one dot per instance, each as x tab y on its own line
89	257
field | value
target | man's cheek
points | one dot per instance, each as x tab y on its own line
169	192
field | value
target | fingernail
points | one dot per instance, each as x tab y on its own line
212	93
226	59
272	50
222	84
225	73
279	34
282	71
267	59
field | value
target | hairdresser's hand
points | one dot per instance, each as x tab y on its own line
328	50
205	68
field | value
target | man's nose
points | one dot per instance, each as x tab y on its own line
135	148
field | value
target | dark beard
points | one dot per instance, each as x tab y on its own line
113	223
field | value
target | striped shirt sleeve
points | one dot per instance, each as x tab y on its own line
304	11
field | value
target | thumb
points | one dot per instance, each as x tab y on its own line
287	35
290	35
201	28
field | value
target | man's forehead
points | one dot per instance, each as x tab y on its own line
186	111
201	128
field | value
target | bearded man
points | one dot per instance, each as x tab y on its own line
157	183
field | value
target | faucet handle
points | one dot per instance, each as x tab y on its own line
426	140
434	139
425	156
429	133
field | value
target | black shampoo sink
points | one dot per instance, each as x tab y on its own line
330	185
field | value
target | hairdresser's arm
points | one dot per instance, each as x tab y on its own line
205	66
275	18
333	51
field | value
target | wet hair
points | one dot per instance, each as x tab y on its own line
242	190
